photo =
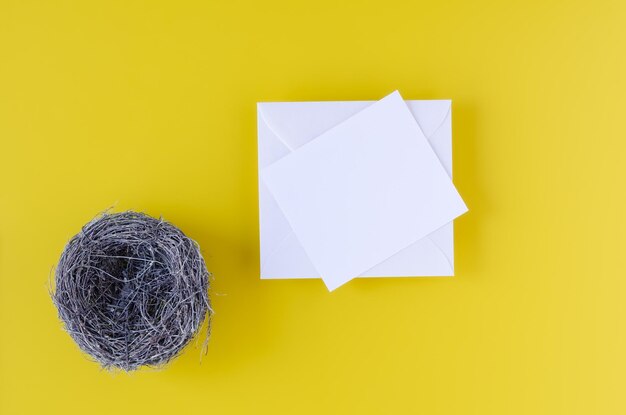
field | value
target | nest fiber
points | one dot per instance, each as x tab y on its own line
131	290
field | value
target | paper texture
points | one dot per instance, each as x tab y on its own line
358	195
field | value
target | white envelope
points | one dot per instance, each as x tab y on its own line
284	127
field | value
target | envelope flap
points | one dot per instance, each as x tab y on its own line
441	142
297	123
430	114
271	148
434	259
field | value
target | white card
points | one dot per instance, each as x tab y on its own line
362	191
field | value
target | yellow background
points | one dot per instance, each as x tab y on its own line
151	106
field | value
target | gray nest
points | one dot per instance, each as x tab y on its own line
131	290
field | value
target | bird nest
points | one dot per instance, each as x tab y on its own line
131	290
